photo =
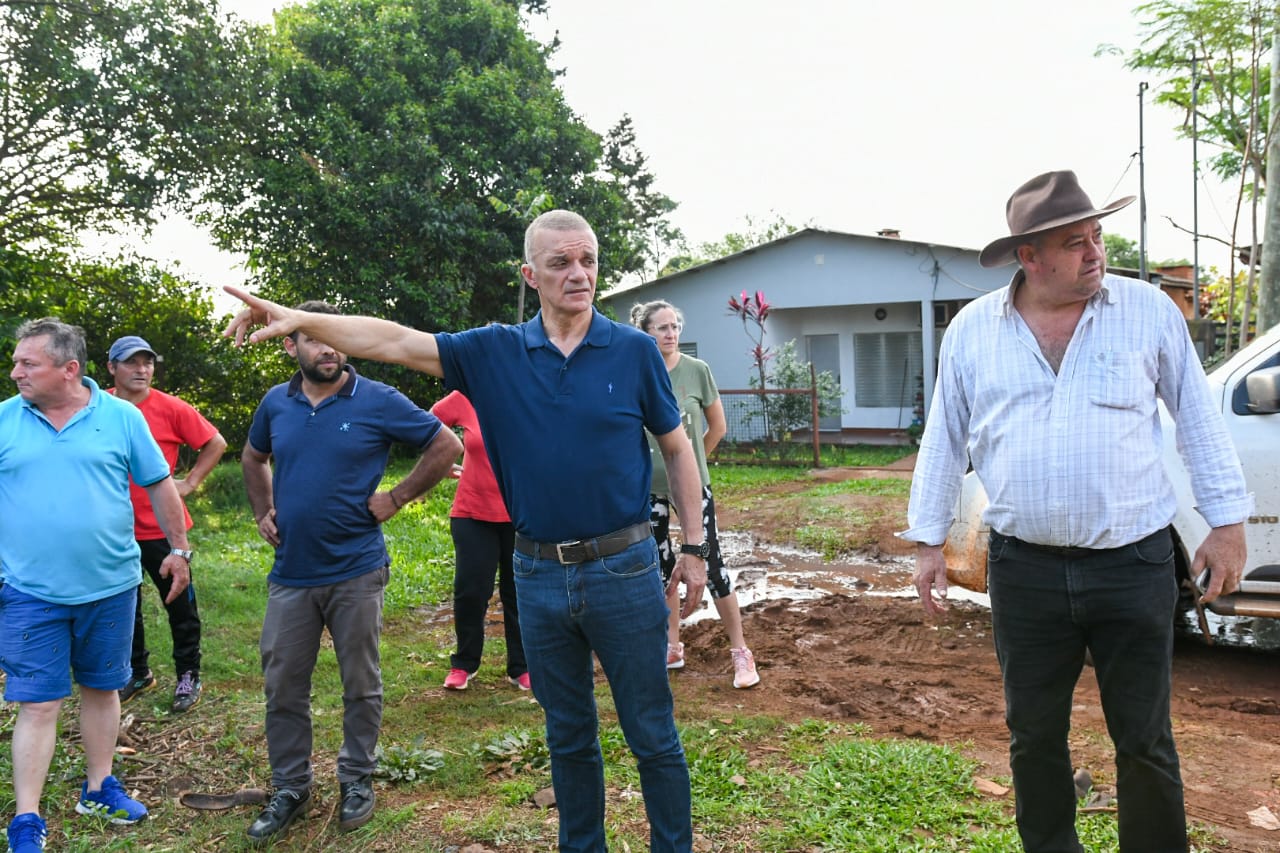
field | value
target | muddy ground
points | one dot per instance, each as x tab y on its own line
860	654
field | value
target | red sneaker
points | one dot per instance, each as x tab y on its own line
457	679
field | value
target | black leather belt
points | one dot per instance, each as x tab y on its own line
1071	551
582	550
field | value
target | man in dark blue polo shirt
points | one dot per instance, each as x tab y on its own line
328	431
563	402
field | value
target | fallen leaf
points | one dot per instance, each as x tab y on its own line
986	786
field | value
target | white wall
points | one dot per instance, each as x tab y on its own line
818	283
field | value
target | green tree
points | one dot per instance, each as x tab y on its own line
638	215
398	125
132	296
787	413
1227	101
754	234
1229	38
1122	252
109	108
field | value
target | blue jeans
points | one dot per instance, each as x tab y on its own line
1046	610
615	608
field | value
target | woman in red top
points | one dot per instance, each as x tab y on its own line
483	541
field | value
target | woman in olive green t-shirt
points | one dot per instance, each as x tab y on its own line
703	416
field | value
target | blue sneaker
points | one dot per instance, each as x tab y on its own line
26	833
111	803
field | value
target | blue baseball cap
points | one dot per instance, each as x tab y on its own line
124	348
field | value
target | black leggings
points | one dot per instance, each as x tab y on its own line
481	550
660	522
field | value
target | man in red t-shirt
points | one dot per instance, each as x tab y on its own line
173	423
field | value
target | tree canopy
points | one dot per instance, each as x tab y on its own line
132	296
109	108
755	233
1211	55
1229	39
385	155
399	124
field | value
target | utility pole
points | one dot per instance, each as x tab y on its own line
1269	277
1195	194
1142	193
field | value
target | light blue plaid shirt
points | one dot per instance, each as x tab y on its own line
1073	458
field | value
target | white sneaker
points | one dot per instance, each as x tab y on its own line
744	668
675	655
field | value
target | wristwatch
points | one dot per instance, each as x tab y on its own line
702	550
186	555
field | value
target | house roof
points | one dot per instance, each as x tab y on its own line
1155	276
795	235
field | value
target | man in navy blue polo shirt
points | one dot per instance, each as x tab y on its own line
563	402
328	432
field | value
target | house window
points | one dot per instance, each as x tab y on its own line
886	365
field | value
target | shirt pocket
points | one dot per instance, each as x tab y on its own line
1119	380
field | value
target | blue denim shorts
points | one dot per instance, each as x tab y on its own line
42	644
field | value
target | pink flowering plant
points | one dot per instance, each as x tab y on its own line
753	311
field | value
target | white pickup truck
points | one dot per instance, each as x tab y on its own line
1247	389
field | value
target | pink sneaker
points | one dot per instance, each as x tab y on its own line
521	681
457	679
675	655
744	668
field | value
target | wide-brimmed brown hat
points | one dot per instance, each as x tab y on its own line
1043	203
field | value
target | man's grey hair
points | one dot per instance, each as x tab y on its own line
555	220
66	342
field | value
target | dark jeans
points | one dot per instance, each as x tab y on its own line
613	608
184	616
1047	610
481	549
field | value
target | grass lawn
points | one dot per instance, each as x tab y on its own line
462	768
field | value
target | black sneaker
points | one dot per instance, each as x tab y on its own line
138	685
285	807
357	803
187	694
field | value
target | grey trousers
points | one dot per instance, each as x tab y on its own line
291	632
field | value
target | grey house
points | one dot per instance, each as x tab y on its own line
869	309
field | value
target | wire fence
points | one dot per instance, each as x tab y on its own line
760	425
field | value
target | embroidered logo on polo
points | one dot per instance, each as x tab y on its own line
346	426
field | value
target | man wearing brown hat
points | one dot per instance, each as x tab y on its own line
1049	387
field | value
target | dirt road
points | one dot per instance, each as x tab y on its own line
859	655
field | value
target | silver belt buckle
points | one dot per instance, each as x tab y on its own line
560	552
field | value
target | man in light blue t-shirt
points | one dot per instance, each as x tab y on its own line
70	565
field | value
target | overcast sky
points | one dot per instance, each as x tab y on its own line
920	115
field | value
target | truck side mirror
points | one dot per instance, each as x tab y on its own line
1263	387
